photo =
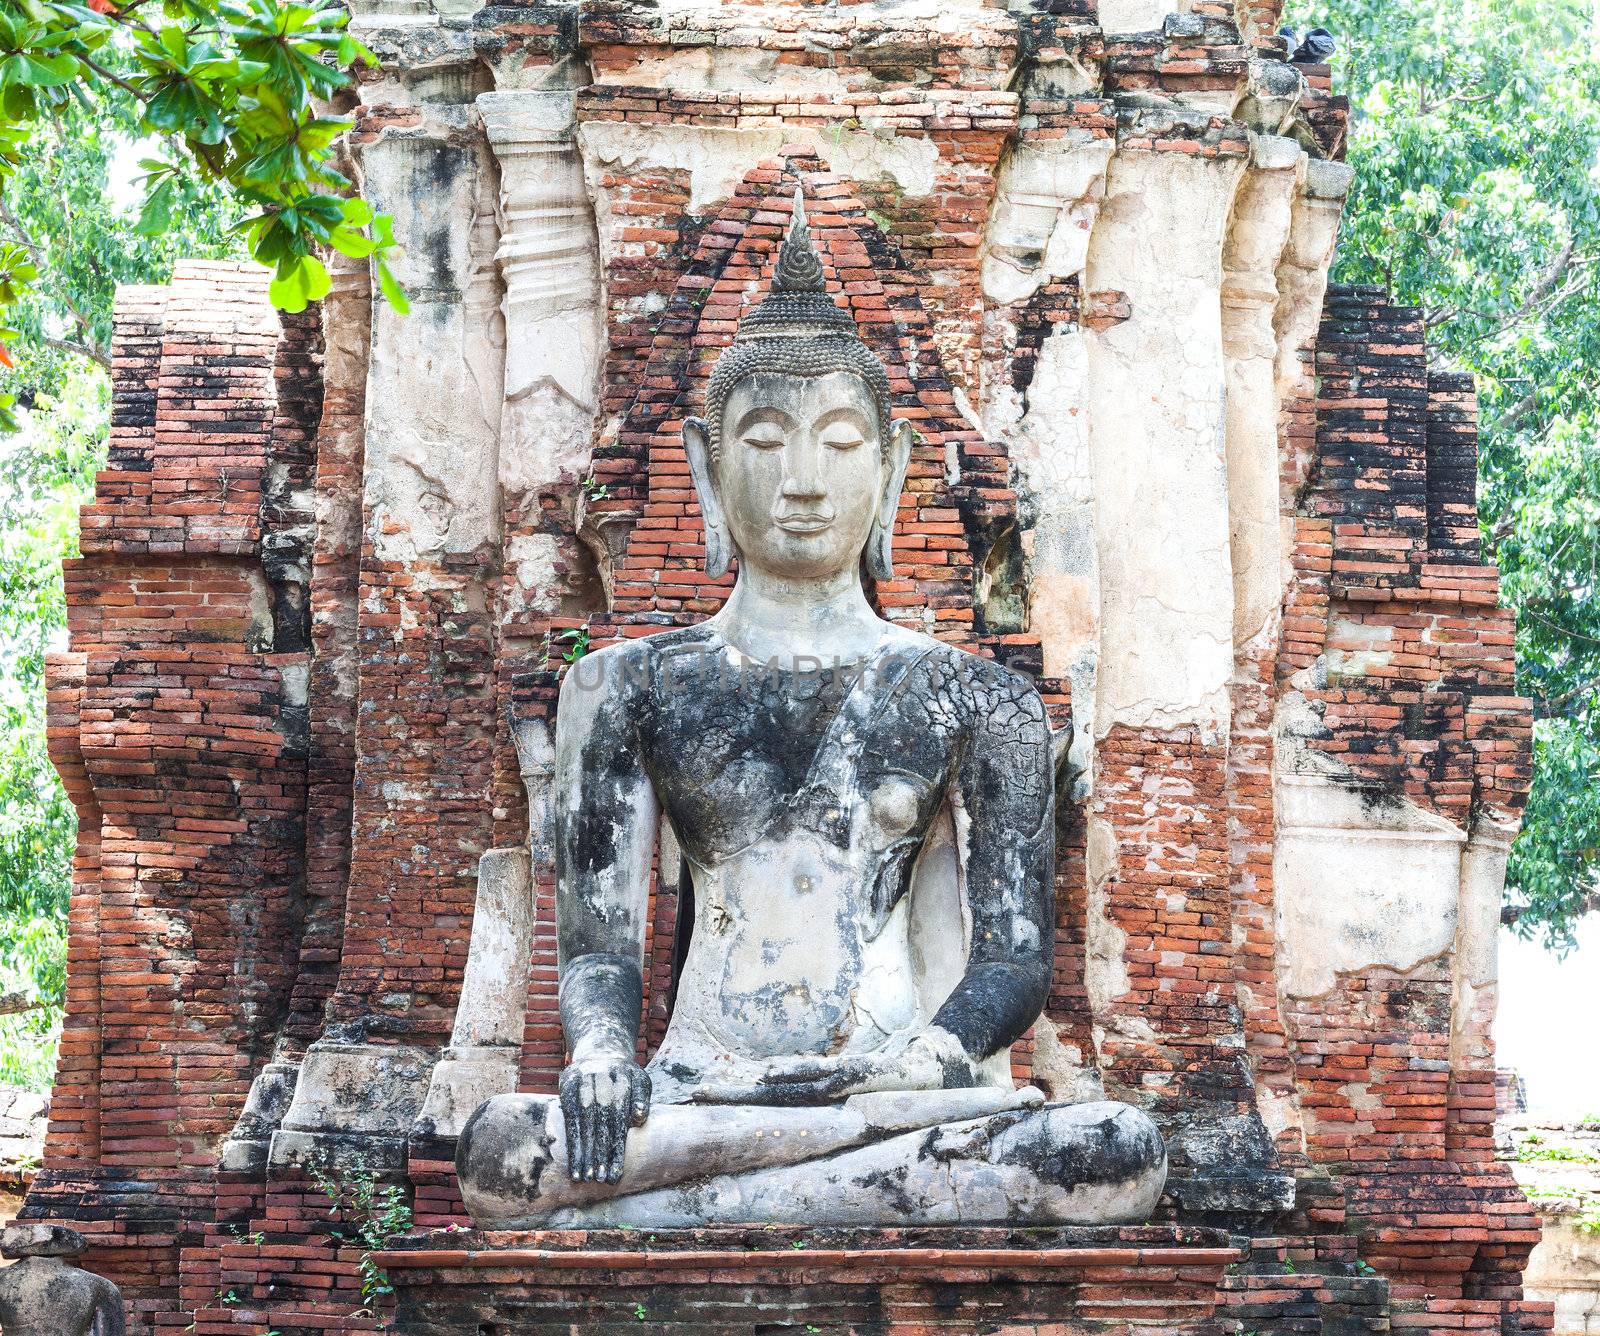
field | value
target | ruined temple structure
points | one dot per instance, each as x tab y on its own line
1220	512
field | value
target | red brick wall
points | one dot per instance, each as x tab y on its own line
1388	560
185	755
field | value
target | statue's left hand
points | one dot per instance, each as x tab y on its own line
602	1096
931	1059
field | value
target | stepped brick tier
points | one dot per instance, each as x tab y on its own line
1222	514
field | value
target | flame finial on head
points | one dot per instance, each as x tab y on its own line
797	305
799	267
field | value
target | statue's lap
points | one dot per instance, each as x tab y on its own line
916	1157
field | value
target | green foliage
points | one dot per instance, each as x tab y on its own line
1532	1149
60	218
1475	139
574	644
61	211
369	1214
229	95
45	472
1586	1205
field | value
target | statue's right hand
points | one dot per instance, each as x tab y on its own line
601	1098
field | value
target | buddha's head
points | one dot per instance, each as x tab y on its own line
797	462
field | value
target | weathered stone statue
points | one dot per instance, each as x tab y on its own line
867	816
43	1294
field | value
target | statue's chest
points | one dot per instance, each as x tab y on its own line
758	763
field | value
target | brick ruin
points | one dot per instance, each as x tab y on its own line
1224	512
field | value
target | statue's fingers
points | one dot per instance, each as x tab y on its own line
616	1134
639	1107
587	1141
599	1133
572	1121
608	1141
600	1152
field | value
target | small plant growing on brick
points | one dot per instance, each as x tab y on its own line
1532	1149
369	1215
572	643
638	1312
1586	1207
577	639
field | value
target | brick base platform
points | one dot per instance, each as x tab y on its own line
1177	1281
749	1282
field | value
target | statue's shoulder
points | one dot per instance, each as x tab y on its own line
979	678
627	668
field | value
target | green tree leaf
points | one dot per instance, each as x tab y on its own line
300	282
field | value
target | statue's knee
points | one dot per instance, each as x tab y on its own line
505	1153
1100	1143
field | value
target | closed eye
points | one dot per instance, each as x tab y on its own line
765	442
842	442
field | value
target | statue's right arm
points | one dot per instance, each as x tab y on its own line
606	823
108	1319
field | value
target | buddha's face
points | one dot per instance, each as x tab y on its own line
800	471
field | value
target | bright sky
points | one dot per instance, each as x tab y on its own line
1548	1028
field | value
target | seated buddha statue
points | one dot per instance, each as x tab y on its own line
867	816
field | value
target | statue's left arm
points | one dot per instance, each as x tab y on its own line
1006	794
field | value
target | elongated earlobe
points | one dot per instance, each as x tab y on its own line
719	542
880	542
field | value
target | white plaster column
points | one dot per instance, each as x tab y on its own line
1475	969
1045	207
1259	231
1156	434
549	262
430	498
484	1058
1302	283
485	1052
554	340
434	385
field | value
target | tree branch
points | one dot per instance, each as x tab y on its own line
1553	705
1551	276
1509	914
1556	626
111	77
1519	410
12	1004
91	351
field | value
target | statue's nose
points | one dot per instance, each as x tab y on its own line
802	481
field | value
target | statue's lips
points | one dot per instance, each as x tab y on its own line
805	523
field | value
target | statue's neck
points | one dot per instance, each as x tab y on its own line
779	617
